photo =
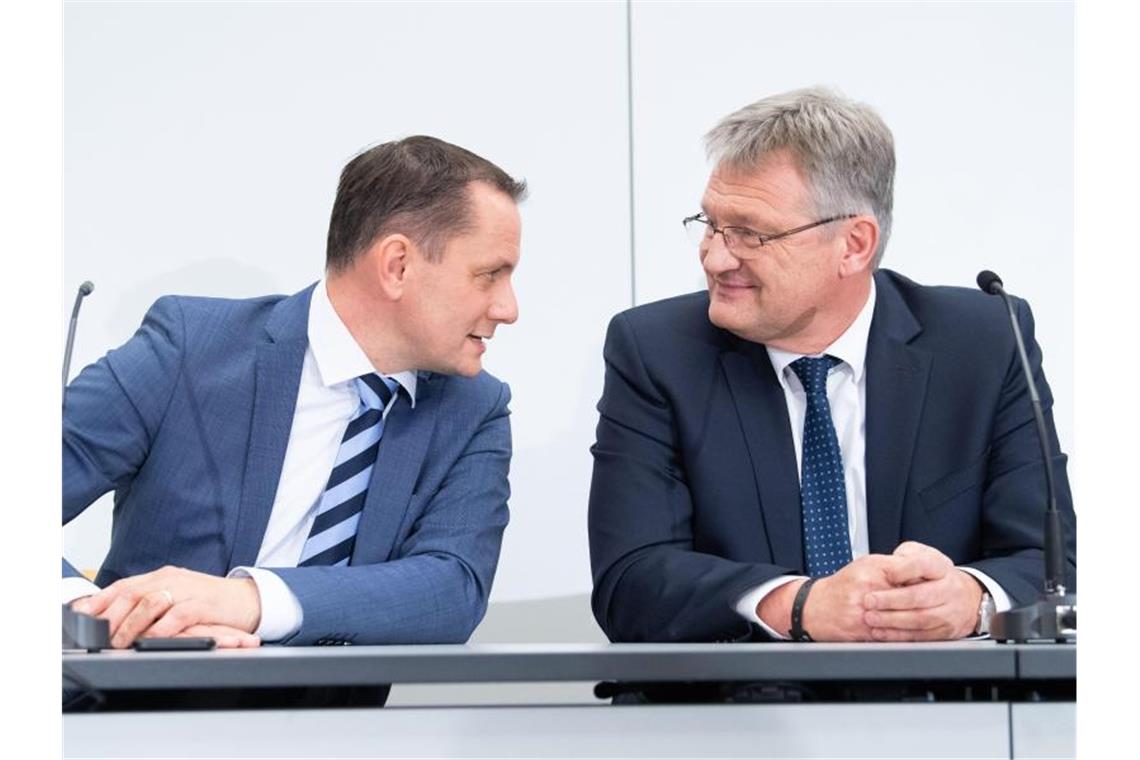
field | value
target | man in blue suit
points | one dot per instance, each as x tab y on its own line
324	468
814	448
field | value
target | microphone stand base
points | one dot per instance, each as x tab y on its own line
84	631
1052	618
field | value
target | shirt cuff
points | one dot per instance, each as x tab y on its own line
746	606
74	588
1002	602
281	613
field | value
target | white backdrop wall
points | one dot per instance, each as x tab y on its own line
203	143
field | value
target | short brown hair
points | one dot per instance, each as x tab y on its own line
416	186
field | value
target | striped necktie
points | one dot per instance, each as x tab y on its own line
823	490
333	534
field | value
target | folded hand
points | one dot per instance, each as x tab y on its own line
931	600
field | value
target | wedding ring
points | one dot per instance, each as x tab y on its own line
169	596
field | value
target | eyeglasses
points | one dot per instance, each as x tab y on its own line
742	241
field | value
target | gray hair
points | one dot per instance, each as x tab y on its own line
844	149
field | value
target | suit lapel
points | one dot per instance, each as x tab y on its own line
407	432
897	376
276	382
763	412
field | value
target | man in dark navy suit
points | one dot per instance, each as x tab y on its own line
814	448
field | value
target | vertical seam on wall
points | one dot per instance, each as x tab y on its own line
629	125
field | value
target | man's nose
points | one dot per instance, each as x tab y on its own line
715	256
505	309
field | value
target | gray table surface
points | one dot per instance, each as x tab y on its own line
359	665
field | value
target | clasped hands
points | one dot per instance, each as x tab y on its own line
914	594
176	602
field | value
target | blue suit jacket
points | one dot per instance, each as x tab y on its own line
188	423
695	495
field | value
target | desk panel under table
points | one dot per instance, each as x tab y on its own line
963	699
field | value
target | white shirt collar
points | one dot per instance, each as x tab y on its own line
338	356
850	347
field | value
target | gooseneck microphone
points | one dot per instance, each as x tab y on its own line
84	290
80	631
1054	616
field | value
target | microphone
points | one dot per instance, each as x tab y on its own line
81	631
84	290
989	282
1054	616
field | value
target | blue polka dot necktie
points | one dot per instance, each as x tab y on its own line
823	493
333	534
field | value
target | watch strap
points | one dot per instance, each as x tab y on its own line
797	633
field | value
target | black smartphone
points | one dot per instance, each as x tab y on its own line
191	643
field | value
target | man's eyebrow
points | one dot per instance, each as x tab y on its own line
731	218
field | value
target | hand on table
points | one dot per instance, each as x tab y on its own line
834	608
913	594
171	601
931	600
223	635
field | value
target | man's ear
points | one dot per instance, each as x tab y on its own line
388	258
860	241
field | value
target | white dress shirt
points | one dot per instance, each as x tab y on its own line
327	400
847	397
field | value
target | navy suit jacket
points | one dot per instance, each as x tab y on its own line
188	423
695	494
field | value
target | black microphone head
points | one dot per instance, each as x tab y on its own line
86	288
987	280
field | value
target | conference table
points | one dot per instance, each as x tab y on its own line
966	699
